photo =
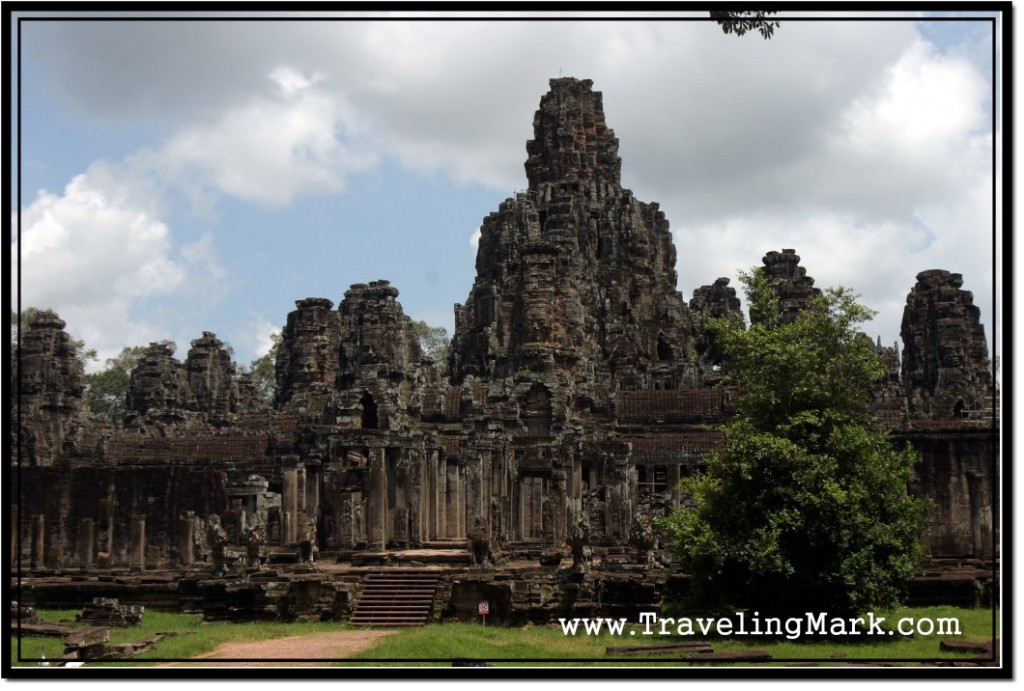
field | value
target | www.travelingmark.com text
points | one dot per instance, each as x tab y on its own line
810	624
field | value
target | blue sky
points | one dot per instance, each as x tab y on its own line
187	176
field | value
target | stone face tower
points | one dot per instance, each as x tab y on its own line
794	287
945	358
575	276
51	383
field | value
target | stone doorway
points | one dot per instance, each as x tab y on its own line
531	507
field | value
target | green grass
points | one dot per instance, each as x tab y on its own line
473	641
195	637
446	641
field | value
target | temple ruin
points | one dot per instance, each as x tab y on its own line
580	387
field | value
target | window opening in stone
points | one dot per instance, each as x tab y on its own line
369	417
664	349
652	478
537	412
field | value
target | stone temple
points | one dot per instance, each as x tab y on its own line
579	388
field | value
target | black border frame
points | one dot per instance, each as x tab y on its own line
15	13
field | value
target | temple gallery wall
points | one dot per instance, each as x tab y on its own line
579	388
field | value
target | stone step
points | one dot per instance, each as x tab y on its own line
389	590
401	582
396	598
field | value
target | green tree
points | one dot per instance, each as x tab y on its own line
804	508
106	393
740	23
433	341
263	371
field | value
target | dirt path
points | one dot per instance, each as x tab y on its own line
319	646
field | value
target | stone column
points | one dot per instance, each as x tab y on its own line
290	506
186	538
473	492
377	501
38	553
440	498
86	543
672	477
15	526
416	498
559	507
138	544
346	521
980	515
107	536
55	554
312	492
301	495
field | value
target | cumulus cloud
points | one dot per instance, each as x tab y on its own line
258	335
95	251
861	144
902	184
98	251
270	150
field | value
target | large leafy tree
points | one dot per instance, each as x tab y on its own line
263	371
805	506
106	393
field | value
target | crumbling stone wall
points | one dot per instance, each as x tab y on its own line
580	390
159	384
946	369
715	301
50	385
793	286
214	382
953	424
575	274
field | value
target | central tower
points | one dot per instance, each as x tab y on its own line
575	278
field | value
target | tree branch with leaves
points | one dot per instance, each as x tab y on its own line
740	23
805	507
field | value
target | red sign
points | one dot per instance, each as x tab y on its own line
484	607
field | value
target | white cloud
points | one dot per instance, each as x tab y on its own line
271	149
93	253
100	252
901	183
258	335
858	143
290	81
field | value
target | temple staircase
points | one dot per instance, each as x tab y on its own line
396	598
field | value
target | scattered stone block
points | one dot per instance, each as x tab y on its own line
689	647
108	612
732	656
966	646
87	644
48	630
